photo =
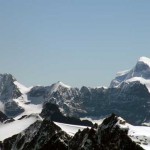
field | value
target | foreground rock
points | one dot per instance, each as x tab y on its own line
51	112
45	135
42	135
107	136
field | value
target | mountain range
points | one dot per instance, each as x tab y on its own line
127	96
129	89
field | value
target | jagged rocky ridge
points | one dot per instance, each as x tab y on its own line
101	102
107	136
127	91
44	135
41	135
93	101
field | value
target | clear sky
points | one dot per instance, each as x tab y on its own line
78	42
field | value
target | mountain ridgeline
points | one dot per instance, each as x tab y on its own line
46	135
127	96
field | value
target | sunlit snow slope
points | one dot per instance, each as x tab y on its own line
141	73
15	127
24	102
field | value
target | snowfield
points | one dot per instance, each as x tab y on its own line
9	129
24	102
140	135
29	108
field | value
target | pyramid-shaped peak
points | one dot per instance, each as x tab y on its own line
59	83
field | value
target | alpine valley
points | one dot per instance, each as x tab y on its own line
61	117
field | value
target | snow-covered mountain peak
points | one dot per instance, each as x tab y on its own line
144	60
56	86
59	83
140	73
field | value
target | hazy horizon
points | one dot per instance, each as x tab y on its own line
76	42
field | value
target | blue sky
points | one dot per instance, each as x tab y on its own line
79	42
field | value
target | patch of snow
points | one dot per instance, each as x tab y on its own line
94	119
54	87
9	129
122	124
146	124
29	108
70	129
22	88
99	87
64	85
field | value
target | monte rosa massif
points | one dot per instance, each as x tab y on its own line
62	117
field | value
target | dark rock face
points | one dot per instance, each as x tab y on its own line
42	135
8	90
3	117
12	109
38	94
107	136
121	101
51	112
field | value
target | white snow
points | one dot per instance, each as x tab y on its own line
12	128
22	88
29	108
122	124
55	86
141	80
94	119
141	135
23	101
70	129
121	73
145	60
98	87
